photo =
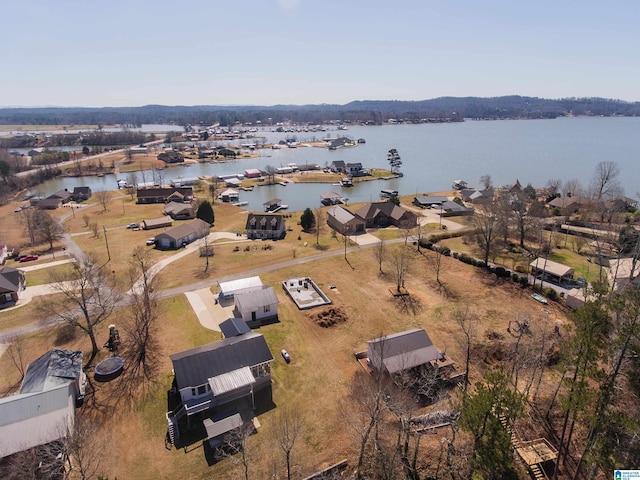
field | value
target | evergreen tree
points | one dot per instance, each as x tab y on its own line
205	212
307	220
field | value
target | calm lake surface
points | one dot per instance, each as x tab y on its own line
433	155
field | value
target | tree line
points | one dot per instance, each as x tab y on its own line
369	111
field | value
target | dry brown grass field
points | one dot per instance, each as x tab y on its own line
318	378
316	383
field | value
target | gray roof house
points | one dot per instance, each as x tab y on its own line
183	234
44	410
452	209
179	211
257	306
344	222
401	351
214	377
12	281
383	214
265	226
427	201
80	194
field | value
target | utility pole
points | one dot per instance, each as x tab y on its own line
106	242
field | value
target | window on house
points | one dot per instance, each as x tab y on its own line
267	308
193	392
202	389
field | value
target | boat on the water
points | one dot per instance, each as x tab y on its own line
388	193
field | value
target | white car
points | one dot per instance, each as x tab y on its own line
151	241
286	356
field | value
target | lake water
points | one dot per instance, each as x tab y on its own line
433	155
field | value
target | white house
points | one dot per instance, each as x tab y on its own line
257	306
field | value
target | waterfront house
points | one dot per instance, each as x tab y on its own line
265	226
55	200
428	201
354	169
344	221
81	194
384	214
164	195
171	156
337	166
229	195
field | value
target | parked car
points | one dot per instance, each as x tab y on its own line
286	356
133	225
28	258
151	241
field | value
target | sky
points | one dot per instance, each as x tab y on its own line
269	52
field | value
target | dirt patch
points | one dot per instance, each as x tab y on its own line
329	317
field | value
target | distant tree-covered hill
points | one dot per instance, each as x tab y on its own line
372	111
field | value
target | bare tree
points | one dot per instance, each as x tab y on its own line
141	346
88	298
605	182
103	197
28	219
86	219
206	248
486	223
270	170
235	446
17	351
380	252
400	263
50	229
320	222
467	320
288	425
84	447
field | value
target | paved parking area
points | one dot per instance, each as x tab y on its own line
210	314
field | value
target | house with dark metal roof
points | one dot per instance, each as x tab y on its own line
217	376
384	214
428	201
452	209
55	200
44	410
165	194
256	306
184	234
81	194
337	166
265	226
344	221
401	351
12	281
